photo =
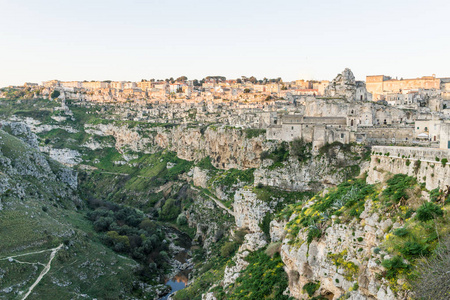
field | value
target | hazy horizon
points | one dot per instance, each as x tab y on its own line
134	40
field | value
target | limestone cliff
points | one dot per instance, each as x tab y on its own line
329	168
227	147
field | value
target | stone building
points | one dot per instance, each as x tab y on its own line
378	85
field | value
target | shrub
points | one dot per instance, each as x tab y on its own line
397	186
170	210
429	211
433	281
252	132
417	166
401	232
55	94
228	249
408	162
311	287
181	220
301	149
273	248
414	249
313	232
409	213
360	239
394	266
205	163
265	224
444	162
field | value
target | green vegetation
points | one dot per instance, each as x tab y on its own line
310	288
347	200
279	155
397	188
206	164
251	132
55	94
132	185
130	232
14	94
429	211
263	278
301	150
41	212
394	266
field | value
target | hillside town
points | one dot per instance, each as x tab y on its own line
379	111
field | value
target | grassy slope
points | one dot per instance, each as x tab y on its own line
39	220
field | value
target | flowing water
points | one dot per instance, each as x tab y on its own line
177	283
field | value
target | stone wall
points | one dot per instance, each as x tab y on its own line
423	163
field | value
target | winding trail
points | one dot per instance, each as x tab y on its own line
217	201
44	271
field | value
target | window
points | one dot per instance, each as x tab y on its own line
292	127
418	128
342	135
426	128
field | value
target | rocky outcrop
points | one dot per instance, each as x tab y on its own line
200	177
66	157
227	147
318	172
21	131
343	86
252	242
343	257
249	211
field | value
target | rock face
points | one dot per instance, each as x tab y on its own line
21	131
253	242
200	177
66	157
343	86
352	246
249	211
227	147
318	172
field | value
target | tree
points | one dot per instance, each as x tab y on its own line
433	281
55	94
246	91
182	78
170	210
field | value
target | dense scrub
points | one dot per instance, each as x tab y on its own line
263	278
127	231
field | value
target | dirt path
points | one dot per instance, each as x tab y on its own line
44	271
217	201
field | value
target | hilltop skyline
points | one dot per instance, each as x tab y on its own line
113	40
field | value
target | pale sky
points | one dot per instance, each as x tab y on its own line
292	39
